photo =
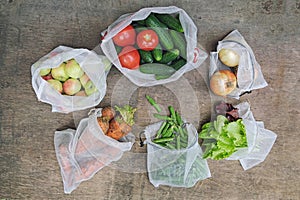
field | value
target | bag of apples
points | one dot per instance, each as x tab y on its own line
233	68
154	45
70	79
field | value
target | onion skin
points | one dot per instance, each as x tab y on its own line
223	82
229	57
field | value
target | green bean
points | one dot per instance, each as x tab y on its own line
163	133
170	146
162	117
153	103
178	119
169	132
162	140
178	142
159	132
172	112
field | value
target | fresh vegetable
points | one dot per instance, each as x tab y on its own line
147	40
161	30
229	57
179	42
146	56
223	137
125	37
173	135
157	69
153	103
178	63
129	57
116	122
170	21
169	56
157	53
223	82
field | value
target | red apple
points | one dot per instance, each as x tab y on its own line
59	73
81	93
90	88
84	79
56	85
47	77
44	72
73	69
71	86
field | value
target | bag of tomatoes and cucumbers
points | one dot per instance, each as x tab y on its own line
99	139
153	45
234	70
174	156
70	79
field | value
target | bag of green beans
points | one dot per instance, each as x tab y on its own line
174	157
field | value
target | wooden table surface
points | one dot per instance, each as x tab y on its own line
30	29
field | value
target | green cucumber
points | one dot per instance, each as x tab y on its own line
179	42
146	56
157	69
161	31
118	49
157	53
169	56
160	77
178	63
170	21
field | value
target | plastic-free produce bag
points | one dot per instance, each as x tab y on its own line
82	153
249	74
177	168
94	66
195	55
259	140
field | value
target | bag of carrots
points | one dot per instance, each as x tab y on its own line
99	140
174	156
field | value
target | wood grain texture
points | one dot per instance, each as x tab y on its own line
30	29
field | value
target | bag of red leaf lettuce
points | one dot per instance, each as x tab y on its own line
175	167
53	85
83	152
195	56
247	69
235	135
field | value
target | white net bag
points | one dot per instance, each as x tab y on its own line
94	66
248	71
195	55
82	153
172	167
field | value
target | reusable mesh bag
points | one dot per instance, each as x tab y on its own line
95	66
176	168
260	140
82	153
195	55
249	74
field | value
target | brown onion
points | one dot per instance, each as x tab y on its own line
229	57
223	82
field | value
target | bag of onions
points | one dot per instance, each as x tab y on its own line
233	68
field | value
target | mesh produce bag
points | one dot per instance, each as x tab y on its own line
195	56
242	139
172	167
94	66
82	153
249	74
260	140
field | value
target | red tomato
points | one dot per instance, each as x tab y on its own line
125	37
147	40
129	57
